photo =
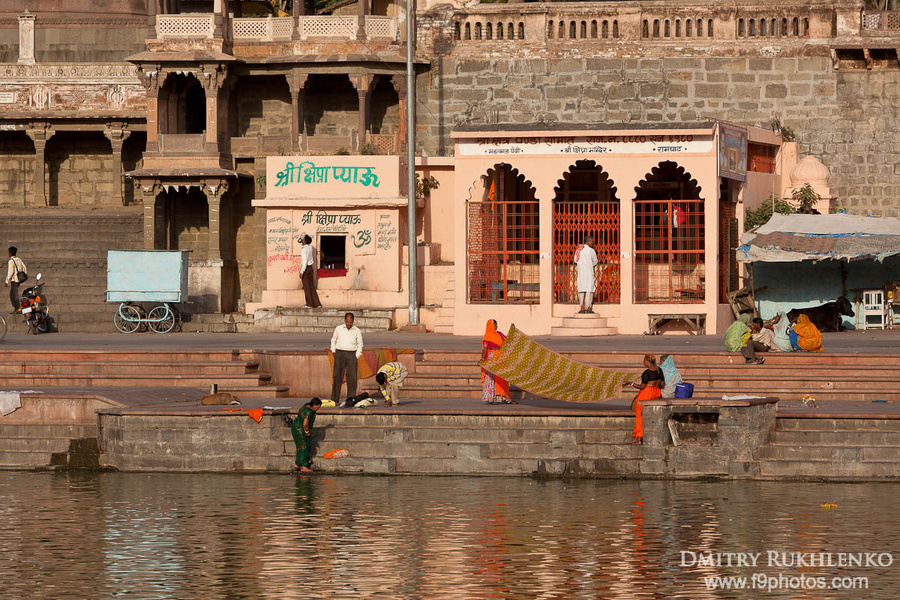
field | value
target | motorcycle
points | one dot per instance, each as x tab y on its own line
35	309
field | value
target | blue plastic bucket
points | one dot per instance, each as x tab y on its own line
684	390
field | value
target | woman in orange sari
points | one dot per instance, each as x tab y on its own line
494	390
808	336
650	386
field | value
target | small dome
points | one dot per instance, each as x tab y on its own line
811	170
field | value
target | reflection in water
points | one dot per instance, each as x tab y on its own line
277	536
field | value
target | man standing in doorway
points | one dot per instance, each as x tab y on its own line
346	346
13	279
586	264
307	273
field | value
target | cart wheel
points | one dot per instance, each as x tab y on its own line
127	318
142	326
161	319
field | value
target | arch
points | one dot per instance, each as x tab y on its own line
499	31
699	27
594	30
521	30
604	29
678	28
805	27
751	28
742	30
773	29
468	31
795	27
182	105
669	237
615	28
586	204
572	30
688	28
709	28
583	30
477	31
645	29
668	29
503	260
763	27
784	27
457	30
488	31
656	28
510	31
549	30
562	30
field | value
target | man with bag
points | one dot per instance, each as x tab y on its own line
15	274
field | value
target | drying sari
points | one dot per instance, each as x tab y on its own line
493	389
808	336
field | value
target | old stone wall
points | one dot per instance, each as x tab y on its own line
844	117
191	223
249	230
80	171
263	107
16	169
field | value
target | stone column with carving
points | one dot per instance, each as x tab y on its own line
363	86
26	38
361	27
149	77
117	134
399	84
40	133
214	191
297	85
153	213
151	19
297	8
213	80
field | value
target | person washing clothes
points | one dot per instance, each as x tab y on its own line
301	430
389	378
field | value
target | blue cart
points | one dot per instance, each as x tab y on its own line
134	277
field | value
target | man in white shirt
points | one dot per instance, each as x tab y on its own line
12	277
307	273
346	346
586	263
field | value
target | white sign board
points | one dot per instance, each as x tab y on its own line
593	144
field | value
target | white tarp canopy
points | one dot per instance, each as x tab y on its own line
795	238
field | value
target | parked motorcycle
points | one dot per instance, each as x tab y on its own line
34	308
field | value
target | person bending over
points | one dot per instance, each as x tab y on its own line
390	377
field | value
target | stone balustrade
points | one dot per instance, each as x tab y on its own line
879	22
268	29
275	29
198	25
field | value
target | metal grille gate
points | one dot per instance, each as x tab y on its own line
572	222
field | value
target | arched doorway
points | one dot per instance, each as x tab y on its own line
585	204
502	231
182	105
669	237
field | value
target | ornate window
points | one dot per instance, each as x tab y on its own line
468	31
521	31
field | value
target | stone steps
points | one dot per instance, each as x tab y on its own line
135	380
583	326
121	356
110	368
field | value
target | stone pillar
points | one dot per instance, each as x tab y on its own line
213	80
214	192
298	9
218	19
40	134
26	38
153	213
361	27
363	85
399	84
117	136
150	79
297	84
151	19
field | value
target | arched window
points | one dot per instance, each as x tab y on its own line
605	29
784	27
678	28
521	31
668	29
572	30
549	30
488	31
656	28
468	31
751	31
762	27
773	29
477	31
615	28
499	31
742	31
805	27
796	27
709	28
699	27
457	30
645	30
503	239
584	30
593	30
688	28
562	30
511	31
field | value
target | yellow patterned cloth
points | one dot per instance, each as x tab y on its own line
543	372
373	359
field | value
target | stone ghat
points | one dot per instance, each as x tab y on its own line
686	439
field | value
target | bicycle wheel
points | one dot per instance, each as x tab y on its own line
127	318
161	319
2	327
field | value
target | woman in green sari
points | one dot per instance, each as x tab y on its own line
301	429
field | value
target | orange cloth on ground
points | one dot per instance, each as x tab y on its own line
492	341
808	336
648	393
254	413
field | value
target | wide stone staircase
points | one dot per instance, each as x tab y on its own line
134	368
845	377
69	249
828	447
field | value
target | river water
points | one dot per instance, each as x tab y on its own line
147	536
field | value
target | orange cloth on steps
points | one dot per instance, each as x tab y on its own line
254	413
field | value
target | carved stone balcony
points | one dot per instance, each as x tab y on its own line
275	29
880	23
269	29
179	27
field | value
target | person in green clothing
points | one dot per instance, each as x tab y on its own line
301	429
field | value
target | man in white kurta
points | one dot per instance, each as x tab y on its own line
586	265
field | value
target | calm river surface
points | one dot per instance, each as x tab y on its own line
281	536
